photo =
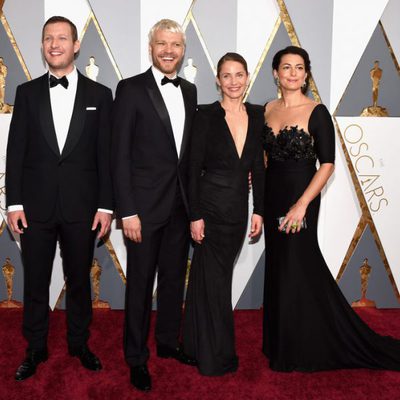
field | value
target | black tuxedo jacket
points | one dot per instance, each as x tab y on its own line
37	175
147	170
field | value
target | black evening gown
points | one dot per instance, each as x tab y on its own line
218	193
308	323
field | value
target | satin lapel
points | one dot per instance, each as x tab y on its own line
159	105
77	120
188	118
46	116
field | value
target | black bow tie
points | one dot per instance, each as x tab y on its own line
55	81
176	81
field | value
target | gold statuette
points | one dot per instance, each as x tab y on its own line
95	274
375	110
365	271
8	273
4	107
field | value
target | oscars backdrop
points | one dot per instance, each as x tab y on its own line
355	52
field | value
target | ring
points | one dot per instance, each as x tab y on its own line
294	226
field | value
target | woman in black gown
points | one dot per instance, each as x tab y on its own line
226	146
308	323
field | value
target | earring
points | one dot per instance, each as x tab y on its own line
304	84
277	81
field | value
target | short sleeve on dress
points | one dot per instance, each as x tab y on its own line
321	128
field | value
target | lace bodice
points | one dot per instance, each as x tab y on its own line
290	143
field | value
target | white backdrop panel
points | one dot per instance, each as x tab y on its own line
77	11
375	157
153	11
391	25
254	26
353	25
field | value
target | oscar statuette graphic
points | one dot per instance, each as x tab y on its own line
4	107
190	71
92	70
365	271
375	110
95	274
8	273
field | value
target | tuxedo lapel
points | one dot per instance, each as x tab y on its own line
188	117
159	105
77	119
46	116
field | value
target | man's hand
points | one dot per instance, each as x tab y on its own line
104	219
13	218
133	228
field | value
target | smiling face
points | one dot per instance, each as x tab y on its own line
291	72
59	48
167	50
232	79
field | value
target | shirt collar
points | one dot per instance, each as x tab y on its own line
72	76
158	75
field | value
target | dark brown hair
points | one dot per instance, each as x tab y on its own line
57	18
300	52
231	57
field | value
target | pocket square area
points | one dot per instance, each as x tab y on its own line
91	108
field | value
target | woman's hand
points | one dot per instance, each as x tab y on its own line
197	230
294	218
256	225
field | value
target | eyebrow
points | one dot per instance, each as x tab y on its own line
301	64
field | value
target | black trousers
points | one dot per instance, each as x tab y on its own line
38	244
165	246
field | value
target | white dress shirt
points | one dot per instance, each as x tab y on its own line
173	99
62	104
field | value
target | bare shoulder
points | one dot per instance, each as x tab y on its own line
311	103
270	107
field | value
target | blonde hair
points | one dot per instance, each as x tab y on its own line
167	25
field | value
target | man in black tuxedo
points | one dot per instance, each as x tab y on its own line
58	184
152	117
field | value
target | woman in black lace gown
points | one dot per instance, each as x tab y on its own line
226	146
308	323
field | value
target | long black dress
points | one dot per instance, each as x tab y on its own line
218	193
308	323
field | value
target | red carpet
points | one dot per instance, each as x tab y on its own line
254	380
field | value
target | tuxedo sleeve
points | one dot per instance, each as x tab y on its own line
105	200
16	147
123	125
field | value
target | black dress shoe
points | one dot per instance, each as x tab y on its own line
177	353
28	366
87	358
140	378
